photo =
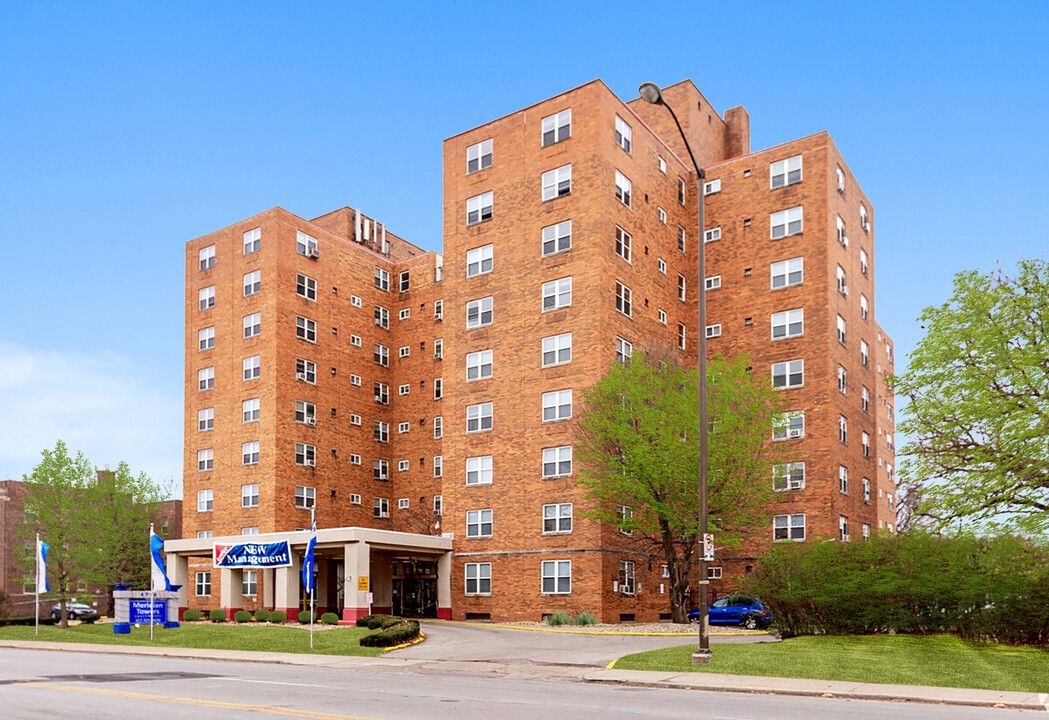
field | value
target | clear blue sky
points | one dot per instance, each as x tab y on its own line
126	130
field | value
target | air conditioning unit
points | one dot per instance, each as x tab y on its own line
795	433
310	462
437	356
383	514
438	316
383	476
378	398
311	421
300	376
313	253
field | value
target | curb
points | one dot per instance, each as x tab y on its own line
593	632
421	637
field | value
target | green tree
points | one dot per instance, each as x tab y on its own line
978	411
638	449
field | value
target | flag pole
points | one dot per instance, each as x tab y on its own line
313	527
36	577
152	591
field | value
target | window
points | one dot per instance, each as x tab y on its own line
787	273
866	530
306	244
206	419
842	381
438	388
478	523
438	505
305	496
661	314
557	518
557	238
661	164
841	180
557	405
404	389
479	417
202	584
252	283
355	340
786	222
305	412
557	350
712	234
841	329
866	490
249	579
712	283
438	466
681	238
205	460
843	285
557	294
622	134
864	353
306	287
249	496
381	279
790	476
865	443
479	470
843	479
627	584
478	313
888	411
622	243
714	186
206	338
201	534
382	393
479	209
623	186
790	425
356	301
355	419
403	503
785	172
355	380
557	127
438	309
479	261
788	527
713	331
557	182
623	299
205	500
438	427
249	452
478	578
557	461
381	508
681	191
624	349
382	317
402	466
556	577
252	325
207	297
382	431
252	367
843	429
865	399
404	351
888	352
403	427
207	257
864	223
843	528
714	572
661	264
305	370
479	156
305	455
305	329
863	262
864	308
788	374
380	469
788	324
662	215
681	287
381	355
252	241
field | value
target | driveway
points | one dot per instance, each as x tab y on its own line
483	643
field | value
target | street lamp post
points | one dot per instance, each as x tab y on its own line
651	93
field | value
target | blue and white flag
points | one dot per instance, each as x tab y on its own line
158	578
307	563
41	566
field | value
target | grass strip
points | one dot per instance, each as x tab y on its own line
935	660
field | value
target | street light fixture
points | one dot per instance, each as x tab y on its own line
651	93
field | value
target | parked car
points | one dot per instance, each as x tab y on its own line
745	610
73	611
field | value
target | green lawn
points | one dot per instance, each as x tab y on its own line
937	660
259	638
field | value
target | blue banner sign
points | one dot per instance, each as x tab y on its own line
252	555
144	612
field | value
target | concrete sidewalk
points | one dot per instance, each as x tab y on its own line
637	678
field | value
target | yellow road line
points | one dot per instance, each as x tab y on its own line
221	704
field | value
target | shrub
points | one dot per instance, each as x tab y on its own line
330	618
48	620
191	615
88	618
278	616
217	616
242	616
401	632
559	618
373	622
306	616
585	618
262	615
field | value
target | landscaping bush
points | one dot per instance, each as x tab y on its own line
278	616
217	616
191	615
401	632
306	616
48	620
559	618
330	618
242	616
380	621
262	615
88	618
585	618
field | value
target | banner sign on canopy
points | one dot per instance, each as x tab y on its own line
252	555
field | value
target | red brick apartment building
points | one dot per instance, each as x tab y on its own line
424	404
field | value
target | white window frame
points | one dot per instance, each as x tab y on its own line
249	453
478	365
556	350
623	240
788	476
788	324
788	369
788	222
788	526
477	578
623	134
786	269
252	283
712	235
207	257
785	172
555	577
479	470
479	313
556	128
479	523
623	189
479	418
206	378
305	329
557	405
306	244
557	183
479	209
623	299
624	349
479	156
205	419
251	368
557	461
557	518
252	240
791	427
252	325
557	294
557	238
306	371
712	186
249	495
479	260
205	500
206	297
305	455
306	287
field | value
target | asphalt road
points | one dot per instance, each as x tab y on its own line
63	684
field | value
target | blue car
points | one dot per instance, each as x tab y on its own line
745	610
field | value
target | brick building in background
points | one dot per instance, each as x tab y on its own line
329	363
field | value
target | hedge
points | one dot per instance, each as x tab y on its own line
31	620
242	616
330	618
217	616
278	616
191	615
373	622
305	616
262	615
89	618
396	634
